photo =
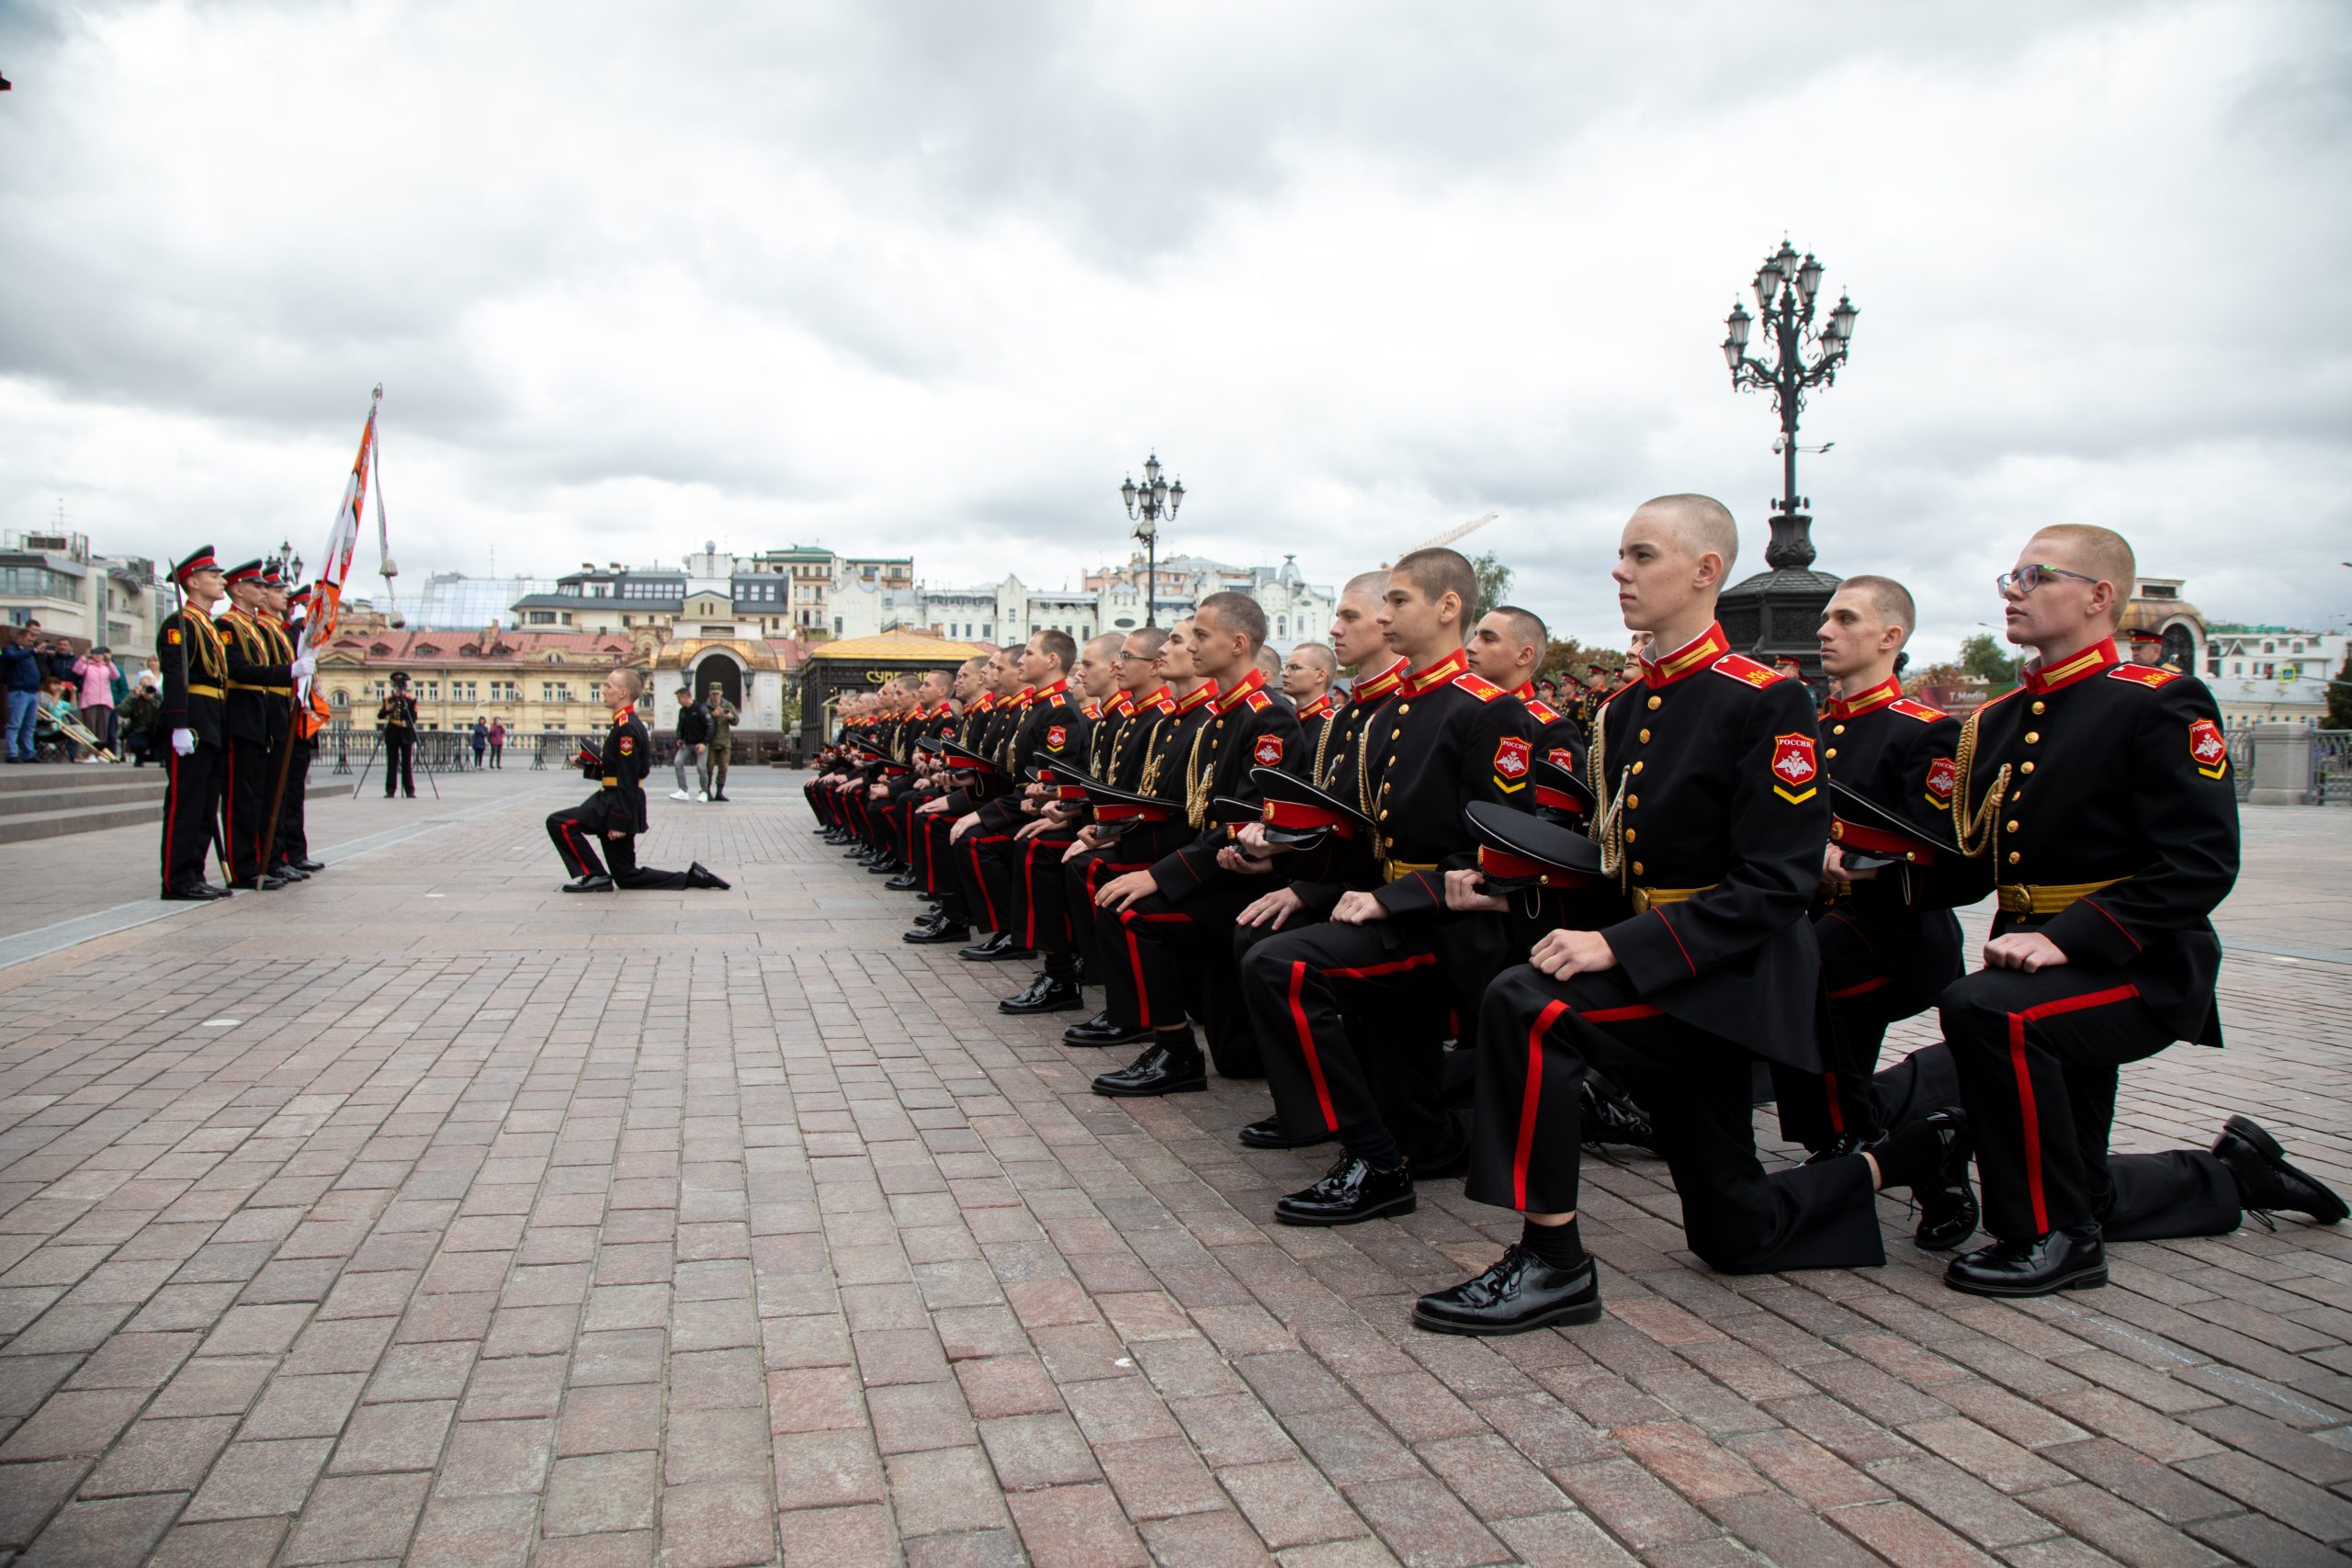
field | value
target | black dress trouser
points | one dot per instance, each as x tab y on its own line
191	812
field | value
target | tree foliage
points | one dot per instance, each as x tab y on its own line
2339	696
1565	658
1982	655
1494	581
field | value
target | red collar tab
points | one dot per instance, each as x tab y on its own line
2081	666
625	714
1374	688
1688	659
1877	697
1316	709
984	702
1524	691
1121	704
1437	674
1233	699
1159	698
1203	692
1047	694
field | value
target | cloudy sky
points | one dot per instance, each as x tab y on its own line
930	277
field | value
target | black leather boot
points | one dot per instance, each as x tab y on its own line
2067	1259
1350	1193
1948	1211
1170	1065
1518	1294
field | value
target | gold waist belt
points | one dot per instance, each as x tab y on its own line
1648	898
1393	870
2046	898
249	686
203	691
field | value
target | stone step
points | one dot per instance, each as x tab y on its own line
18	776
143	788
24	827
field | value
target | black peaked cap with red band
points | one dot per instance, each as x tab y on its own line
1561	793
1861	824
244	571
1296	813
1518	849
199	559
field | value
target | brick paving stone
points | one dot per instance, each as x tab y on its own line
487	1235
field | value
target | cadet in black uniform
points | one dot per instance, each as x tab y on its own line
1050	729
1306	680
2097	800
1889	942
290	609
1167	931
1447	737
196	684
262	671
396	716
615	815
1714	812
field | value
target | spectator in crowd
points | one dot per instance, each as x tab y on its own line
153	676
497	743
59	656
694	741
20	675
481	743
98	674
138	717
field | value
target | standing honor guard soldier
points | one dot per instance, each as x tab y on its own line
722	742
291	858
262	671
195	686
1713	811
396	716
2096	799
615	815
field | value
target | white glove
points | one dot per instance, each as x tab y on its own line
302	666
184	742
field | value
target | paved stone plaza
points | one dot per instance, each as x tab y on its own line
422	1214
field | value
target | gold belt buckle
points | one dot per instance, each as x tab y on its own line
1397	870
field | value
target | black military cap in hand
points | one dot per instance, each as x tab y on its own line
1872	835
1296	814
1518	849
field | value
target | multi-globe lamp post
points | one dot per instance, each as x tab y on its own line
1774	613
1147	503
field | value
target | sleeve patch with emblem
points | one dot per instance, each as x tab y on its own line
1269	752
1511	755
2207	749
1056	737
1562	757
1796	774
628	744
172	637
1942	773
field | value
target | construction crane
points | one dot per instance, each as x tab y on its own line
1459	531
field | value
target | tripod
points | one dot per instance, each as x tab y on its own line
374	750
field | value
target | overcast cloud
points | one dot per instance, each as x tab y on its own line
931	277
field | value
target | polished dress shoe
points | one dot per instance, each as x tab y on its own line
1521	1292
700	876
290	872
1350	1193
1100	1029
310	865
1609	1116
1173	1066
2067	1259
1271	1135
995	950
194	892
258	885
931	932
589	885
2267	1183
906	881
1948	1212
889	865
1046	994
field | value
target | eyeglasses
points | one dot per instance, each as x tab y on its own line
1135	658
2026	579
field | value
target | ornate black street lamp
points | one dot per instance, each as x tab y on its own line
1147	503
1774	613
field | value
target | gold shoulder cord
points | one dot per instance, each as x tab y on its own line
1155	753
1196	782
1363	772
1322	745
1608	814
1978	832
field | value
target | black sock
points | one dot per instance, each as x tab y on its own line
1061	965
1372	1143
1559	1245
1911	1155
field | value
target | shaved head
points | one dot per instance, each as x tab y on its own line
1366	585
2094	551
1889	599
1701	524
1525	625
1316	655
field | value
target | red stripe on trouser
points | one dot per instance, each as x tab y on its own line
2029	1113
1829	1088
986	901
579	861
1530	1095
1028	871
171	811
1872	983
1135	966
1371	971
1306	1044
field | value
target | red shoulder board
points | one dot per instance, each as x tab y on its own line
1165	705
1919	711
1746	670
1259	702
1545	712
1479	686
2148	675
